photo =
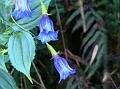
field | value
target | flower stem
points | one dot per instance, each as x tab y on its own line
17	23
21	26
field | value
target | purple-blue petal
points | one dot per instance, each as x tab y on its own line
22	9
47	32
62	67
46	23
22	14
46	37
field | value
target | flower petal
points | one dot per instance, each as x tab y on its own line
22	9
46	37
47	32
62	67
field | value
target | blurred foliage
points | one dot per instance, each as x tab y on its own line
102	23
102	19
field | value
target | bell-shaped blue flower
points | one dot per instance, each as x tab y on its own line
47	32
62	67
22	9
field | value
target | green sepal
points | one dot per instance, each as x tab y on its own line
51	49
44	10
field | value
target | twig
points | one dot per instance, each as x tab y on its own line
82	15
12	71
118	87
39	76
21	83
25	82
61	29
37	83
76	58
113	82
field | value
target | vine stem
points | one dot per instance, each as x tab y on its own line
17	23
82	15
21	26
61	29
39	76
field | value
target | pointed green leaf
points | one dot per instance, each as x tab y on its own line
74	14
6	81
79	22
4	39
2	62
21	50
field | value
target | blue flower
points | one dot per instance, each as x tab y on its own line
62	67
22	9
47	32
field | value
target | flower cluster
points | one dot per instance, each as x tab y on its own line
46	34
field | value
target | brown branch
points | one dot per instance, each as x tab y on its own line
80	2
21	83
61	28
25	82
38	83
76	58
113	82
39	76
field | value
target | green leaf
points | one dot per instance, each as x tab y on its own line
4	39
91	41
30	23
98	17
97	64
90	34
21	50
2	62
79	22
90	22
4	13
16	28
74	14
6	81
5	2
2	27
